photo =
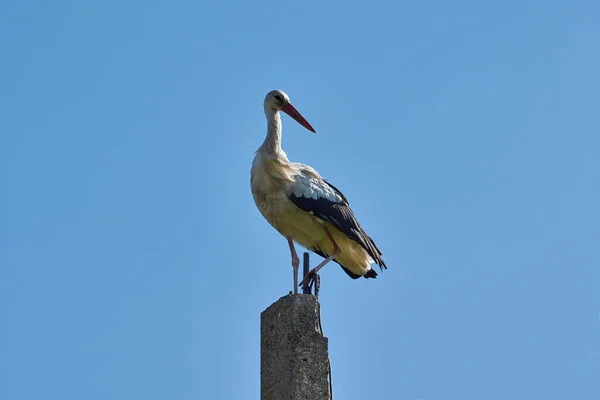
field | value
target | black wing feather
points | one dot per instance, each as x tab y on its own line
341	216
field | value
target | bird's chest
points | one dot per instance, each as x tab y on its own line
270	195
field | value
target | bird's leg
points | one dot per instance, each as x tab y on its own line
336	252
295	264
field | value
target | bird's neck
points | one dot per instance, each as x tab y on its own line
272	143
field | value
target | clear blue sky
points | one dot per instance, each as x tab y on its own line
134	263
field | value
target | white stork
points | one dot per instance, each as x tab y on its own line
305	208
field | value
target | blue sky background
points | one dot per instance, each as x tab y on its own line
134	264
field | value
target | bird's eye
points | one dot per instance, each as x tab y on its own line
278	97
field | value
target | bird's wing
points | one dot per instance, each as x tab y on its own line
315	195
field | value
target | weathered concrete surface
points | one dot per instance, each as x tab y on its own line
293	354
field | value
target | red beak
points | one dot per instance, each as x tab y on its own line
292	112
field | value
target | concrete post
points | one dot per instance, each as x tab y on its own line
293	354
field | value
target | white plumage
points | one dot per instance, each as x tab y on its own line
302	206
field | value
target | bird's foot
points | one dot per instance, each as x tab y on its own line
307	279
311	279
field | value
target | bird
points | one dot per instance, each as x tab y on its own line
304	207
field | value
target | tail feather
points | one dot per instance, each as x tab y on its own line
370	273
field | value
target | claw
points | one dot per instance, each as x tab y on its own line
308	279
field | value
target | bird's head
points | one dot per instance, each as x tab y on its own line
277	100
